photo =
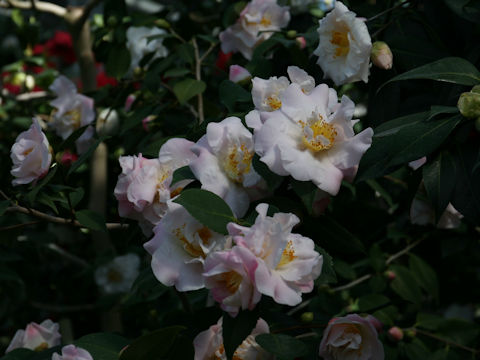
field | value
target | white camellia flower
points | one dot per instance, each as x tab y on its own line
224	163
74	111
179	247
345	46
257	22
71	352
119	274
30	155
422	213
287	262
311	137
36	336
139	44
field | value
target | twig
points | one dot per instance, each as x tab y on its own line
31	96
446	341
58	220
62	308
16	226
404	251
175	34
353	283
388	10
43	6
198	76
86	10
68	256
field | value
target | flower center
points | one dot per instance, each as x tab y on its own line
238	163
205	234
231	280
273	102
265	21
288	255
194	250
75	117
41	347
340	39
28	151
114	276
317	134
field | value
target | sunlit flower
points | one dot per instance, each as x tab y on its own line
118	275
224	163
36	337
71	352
209	344
257	22
345	46
287	262
140	43
311	138
30	155
179	248
351	337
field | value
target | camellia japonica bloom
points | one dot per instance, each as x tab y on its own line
345	46
257	22
209	344
119	274
145	185
139	44
36	336
30	155
351	337
74	111
287	262
179	247
224	163
311	137
71	352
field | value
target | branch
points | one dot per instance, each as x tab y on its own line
198	76
86	10
43	6
68	256
58	220
388	10
446	341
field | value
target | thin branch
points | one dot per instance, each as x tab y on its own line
68	256
198	76
353	283
16	226
175	34
404	251
388	10
57	220
446	341
42	6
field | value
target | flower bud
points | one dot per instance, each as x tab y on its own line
107	122
238	74
162	23
66	158
390	275
307	317
146	121
411	333
291	34
395	334
381	55
469	104
301	42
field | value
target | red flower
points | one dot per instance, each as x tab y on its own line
222	60
61	46
103	80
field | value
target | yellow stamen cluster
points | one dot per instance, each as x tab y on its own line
318	134
75	117
274	102
288	255
193	250
340	39
231	280
238	162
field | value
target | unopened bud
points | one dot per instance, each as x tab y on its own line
390	275
395	334
291	34
162	23
307	317
381	55
112	21
29	82
411	333
66	158
301	42
238	74
146	121
469	104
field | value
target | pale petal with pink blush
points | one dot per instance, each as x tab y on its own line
118	275
266	94
238	74
301	77
30	155
229	275
36	336
71	352
179	248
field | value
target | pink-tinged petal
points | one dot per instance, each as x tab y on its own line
416	164
176	152
253	120
238	74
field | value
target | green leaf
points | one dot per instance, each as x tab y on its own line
235	330
416	351
425	275
33	193
186	89
208	208
231	93
383	193
451	69
436	110
459	331
405	285
306	191
4	206
328	275
344	269
85	156
273	180
176	72
183	173
118	60
429	321
336	238
370	302
402	140
91	220
284	347
439	178
18	354
102	346
154	345
377	258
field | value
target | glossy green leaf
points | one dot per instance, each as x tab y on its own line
208	208
273	180
33	193
91	220
425	275
405	284
236	329
284	347
371	302
306	191
4	206
118	60
231	93
337	238
186	89
328	275
85	156
102	346
182	173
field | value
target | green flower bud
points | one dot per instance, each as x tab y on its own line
162	23
307	317
291	34
469	104
381	55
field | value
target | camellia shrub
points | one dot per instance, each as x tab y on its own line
234	180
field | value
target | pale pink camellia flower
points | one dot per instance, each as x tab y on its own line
351	337
311	138
209	344
257	22
301	42
238	74
118	275
417	164
230	275
381	55
287	262
224	163
30	155
71	352
145	185
422	213
36	337
179	248
129	102
74	110
345	46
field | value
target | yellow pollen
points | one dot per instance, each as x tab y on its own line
193	250
175	192
265	21
114	276
274	102
75	117
231	280
317	134
41	347
205	234
220	351
288	255
28	151
238	163
341	40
